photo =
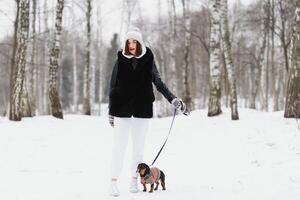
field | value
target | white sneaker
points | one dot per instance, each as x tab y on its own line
133	186
114	191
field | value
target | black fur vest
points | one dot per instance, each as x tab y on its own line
132	93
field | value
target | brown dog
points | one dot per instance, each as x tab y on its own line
151	176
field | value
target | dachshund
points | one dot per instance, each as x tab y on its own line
150	176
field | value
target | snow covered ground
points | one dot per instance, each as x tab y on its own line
255	158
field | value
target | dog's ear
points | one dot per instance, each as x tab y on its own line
138	167
147	169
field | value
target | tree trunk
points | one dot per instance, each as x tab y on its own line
224	80
56	108
74	63
33	71
26	109
187	46
252	81
172	47
13	60
286	57
214	105
283	34
44	101
99	57
23	28
292	105
228	60
87	77
266	97
258	67
275	88
75	87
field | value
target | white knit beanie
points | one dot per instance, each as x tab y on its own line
134	34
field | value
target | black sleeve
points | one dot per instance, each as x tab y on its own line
160	86
113	81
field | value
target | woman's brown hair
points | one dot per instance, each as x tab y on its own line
138	49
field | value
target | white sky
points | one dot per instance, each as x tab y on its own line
111	14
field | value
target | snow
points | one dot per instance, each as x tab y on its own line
257	157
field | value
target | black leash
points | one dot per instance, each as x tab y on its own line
166	138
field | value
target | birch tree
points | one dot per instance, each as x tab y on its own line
292	105
56	108
87	76
172	47
214	105
44	100
26	104
99	53
226	44
275	89
74	63
283	29
26	109
75	81
187	47
261	55
13	58
267	66
22	37
33	71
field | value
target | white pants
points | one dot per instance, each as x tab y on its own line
123	127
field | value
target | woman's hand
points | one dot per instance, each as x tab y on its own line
111	120
179	105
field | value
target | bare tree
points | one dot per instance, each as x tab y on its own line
266	96
13	58
75	81
87	76
99	53
32	70
44	101
261	55
226	44
214	105
22	37
74	63
56	108
273	76
292	105
187	46
172	47
282	30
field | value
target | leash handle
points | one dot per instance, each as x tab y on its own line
186	112
166	139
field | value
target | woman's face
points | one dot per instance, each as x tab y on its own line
132	45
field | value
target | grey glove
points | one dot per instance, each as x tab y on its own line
111	120
179	105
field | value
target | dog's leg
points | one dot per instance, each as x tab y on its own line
145	188
152	186
162	180
157	184
163	185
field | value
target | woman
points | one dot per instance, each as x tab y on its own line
130	103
